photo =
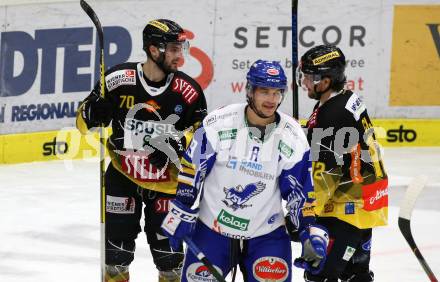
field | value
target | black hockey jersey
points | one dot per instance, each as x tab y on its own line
141	112
349	177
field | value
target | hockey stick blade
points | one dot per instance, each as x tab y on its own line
412	193
201	256
407	206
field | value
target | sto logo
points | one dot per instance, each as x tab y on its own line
207	73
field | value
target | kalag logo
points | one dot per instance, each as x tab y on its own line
236	197
232	221
227	134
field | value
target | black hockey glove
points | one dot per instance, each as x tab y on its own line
294	234
97	110
168	150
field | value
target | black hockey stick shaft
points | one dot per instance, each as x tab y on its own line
294	57
413	191
405	228
202	257
102	144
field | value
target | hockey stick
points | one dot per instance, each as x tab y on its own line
201	256
294	57
412	192
102	144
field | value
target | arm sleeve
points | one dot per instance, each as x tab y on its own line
194	117
368	143
197	162
297	189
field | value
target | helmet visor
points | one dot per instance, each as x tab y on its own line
302	79
181	47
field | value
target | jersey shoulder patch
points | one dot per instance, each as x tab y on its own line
187	87
355	106
120	77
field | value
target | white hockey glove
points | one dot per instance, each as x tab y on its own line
314	240
179	223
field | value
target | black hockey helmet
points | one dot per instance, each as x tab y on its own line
160	32
323	61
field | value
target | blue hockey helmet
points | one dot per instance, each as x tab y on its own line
268	74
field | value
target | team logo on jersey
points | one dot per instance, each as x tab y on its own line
236	197
199	272
270	269
120	77
186	89
152	106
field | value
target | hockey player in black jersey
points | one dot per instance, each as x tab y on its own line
351	185
153	109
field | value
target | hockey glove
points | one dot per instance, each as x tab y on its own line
293	233
179	223
168	151
97	110
314	240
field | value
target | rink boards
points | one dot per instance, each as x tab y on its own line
69	144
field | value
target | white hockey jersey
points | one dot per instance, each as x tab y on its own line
238	181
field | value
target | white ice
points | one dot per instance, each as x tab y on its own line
49	222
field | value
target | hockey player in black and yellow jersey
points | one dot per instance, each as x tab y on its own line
351	185
153	109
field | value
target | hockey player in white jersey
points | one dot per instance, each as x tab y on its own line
241	163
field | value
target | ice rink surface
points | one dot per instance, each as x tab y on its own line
49	222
